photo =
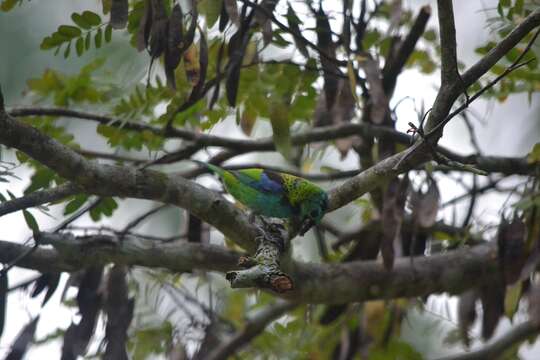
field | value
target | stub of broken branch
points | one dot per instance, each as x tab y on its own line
263	269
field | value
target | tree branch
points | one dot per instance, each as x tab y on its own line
483	65
42	260
79	252
447	96
514	66
396	64
496	348
263	270
314	283
111	180
449	69
38	198
109	156
508	165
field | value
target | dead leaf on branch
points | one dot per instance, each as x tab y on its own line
512	253
173	52
223	18
342	112
145	24
231	8
264	21
534	304
492	298
119	14
325	43
392	219
294	24
158	29
425	205
89	299
467	314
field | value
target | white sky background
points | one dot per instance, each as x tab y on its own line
507	131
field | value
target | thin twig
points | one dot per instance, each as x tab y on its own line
39	197
493	350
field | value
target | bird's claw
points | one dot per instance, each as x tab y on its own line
305	226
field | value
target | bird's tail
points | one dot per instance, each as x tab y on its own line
213	168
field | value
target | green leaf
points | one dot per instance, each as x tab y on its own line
511	301
42	178
279	117
534	155
67	50
97	38
69	31
430	35
211	10
87	41
106	6
370	38
91	18
79	46
75	204
108	33
80	21
53	41
500	10
7	5
518	7
105	207
31	221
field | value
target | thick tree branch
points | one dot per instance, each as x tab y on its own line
448	95
322	283
372	177
109	156
111	180
79	252
514	66
493	350
314	283
43	260
449	69
263	269
38	198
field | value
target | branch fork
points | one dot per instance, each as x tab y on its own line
263	269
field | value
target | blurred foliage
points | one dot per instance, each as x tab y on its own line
523	80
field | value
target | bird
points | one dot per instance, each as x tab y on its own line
275	194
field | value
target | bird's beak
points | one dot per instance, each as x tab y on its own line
306	225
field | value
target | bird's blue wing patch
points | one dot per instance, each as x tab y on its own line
270	185
264	183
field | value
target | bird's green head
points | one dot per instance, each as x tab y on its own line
312	211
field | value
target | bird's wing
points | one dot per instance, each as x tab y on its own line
261	180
